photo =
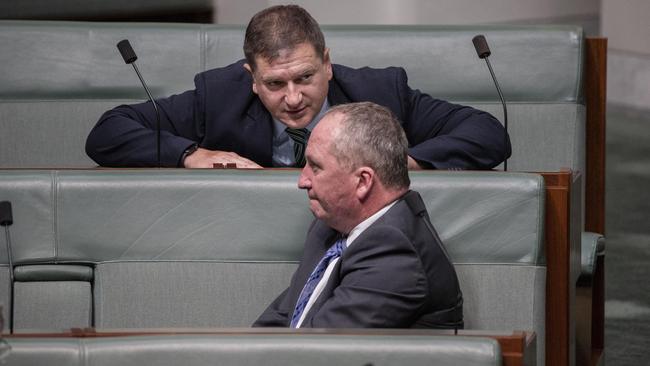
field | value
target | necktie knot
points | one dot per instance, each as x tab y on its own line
300	136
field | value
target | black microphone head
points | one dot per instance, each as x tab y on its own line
127	51
6	218
481	46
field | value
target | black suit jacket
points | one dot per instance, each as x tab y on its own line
396	274
222	113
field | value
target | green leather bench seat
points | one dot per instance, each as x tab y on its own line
274	350
212	248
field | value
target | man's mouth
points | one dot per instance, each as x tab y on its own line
296	111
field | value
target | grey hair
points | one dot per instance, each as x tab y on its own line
371	135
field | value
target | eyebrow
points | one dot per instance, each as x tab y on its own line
306	70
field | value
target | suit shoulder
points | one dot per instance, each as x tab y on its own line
234	72
368	74
398	223
390	231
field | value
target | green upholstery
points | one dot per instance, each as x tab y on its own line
256	349
95	216
70	60
593	245
47	305
53	272
212	248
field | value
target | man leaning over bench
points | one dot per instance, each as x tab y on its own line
259	112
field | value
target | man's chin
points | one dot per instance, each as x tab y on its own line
316	211
296	123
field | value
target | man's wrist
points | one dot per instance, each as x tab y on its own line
189	151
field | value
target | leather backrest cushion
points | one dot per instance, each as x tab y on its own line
71	59
174	214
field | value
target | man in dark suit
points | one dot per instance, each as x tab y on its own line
240	113
371	257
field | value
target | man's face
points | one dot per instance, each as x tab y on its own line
330	187
294	86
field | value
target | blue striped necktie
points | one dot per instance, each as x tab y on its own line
299	137
315	277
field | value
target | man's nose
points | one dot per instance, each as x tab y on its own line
303	181
293	98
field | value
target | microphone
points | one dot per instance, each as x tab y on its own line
6	219
483	52
129	57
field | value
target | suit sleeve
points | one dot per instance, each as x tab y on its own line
382	284
126	135
276	314
279	312
450	136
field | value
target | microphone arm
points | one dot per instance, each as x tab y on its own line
483	51
129	57
6	219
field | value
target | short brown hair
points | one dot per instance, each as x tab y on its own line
371	135
279	28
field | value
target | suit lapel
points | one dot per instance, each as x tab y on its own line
258	129
332	283
327	238
336	95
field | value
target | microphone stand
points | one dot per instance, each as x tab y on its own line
483	51
124	46
135	67
503	103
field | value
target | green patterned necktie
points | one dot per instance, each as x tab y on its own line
299	137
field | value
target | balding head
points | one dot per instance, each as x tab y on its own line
356	164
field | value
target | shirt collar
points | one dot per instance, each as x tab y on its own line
359	229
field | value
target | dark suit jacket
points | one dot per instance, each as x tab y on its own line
223	113
396	274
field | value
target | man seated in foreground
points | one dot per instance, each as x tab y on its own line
371	257
259	112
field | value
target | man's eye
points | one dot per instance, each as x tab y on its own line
273	84
306	77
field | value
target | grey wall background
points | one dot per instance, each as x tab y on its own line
418	11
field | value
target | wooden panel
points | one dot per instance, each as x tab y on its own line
558	262
595	98
583	325
513	348
598	311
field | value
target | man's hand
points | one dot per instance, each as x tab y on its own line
204	158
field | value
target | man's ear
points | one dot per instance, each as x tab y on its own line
327	63
365	182
250	71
